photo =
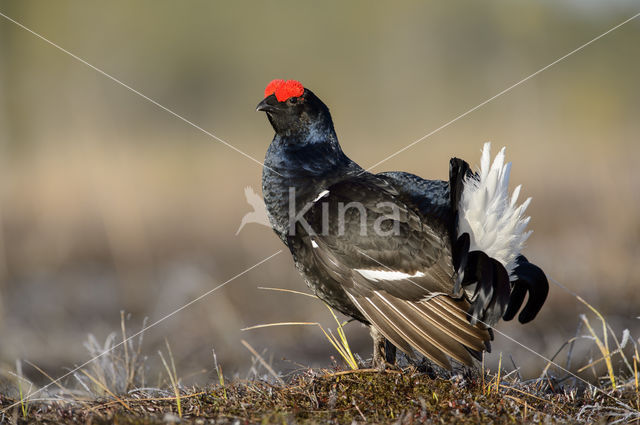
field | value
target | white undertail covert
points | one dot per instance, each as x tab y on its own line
491	217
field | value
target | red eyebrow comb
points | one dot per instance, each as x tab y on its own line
284	89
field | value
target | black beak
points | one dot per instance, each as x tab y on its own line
268	104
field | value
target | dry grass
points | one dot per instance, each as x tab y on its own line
312	396
340	343
112	390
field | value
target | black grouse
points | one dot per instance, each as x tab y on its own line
429	265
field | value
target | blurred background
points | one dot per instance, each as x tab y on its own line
110	204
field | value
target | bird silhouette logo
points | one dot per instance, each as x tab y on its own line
259	213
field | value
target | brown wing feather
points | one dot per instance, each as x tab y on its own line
452	312
424	327
384	317
387	329
436	327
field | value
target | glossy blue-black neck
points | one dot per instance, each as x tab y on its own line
302	168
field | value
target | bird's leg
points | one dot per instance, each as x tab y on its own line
378	348
384	352
389	352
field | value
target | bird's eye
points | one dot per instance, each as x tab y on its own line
293	100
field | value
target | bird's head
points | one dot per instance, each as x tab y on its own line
294	111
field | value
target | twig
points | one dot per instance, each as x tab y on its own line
306	294
262	361
63	389
106	390
360	411
604	347
516	368
173	377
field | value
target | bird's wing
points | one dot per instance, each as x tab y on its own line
395	265
437	327
379	242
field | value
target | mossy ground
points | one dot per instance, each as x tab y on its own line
370	396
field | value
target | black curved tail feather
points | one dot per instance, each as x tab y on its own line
494	296
460	259
475	270
458	171
501	291
530	278
489	281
